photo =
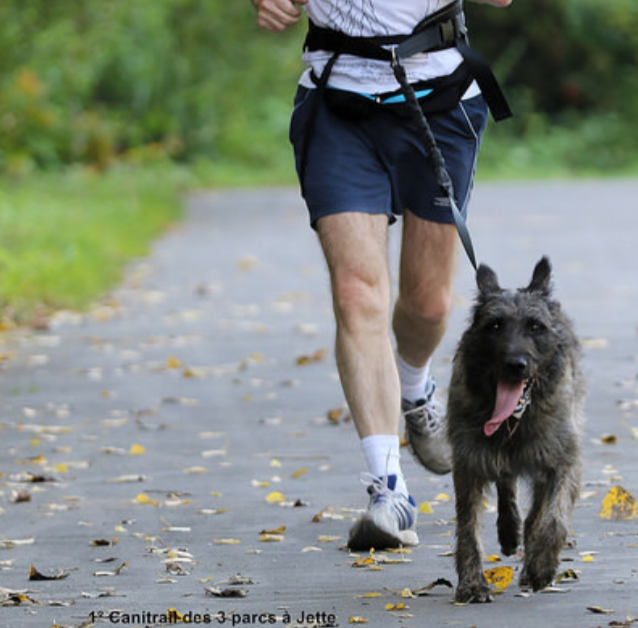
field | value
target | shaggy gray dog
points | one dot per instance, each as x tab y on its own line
515	405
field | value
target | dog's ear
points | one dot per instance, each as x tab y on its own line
541	278
487	281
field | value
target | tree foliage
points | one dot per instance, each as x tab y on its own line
94	81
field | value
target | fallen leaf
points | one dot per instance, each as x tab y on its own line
137	450
368	595
226	541
500	577
238	579
115	572
566	576
143	498
618	505
297	474
217	592
104	542
11	543
327	538
425	590
358	620
275	498
317	356
279	530
20	497
598	610
271	538
400	606
426	508
34	574
609	439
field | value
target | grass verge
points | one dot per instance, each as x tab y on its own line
66	238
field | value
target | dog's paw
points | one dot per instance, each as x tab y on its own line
475	593
537	577
509	546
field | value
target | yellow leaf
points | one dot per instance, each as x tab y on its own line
443	497
137	450
494	558
358	620
143	498
317	356
215	494
259	484
369	595
328	539
279	530
500	577
275	463
275	498
588	558
400	606
297	474
618	505
175	615
271	538
173	362
61	468
426	508
226	541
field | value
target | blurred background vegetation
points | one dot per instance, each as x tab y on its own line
101	95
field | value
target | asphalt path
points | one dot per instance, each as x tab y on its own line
184	447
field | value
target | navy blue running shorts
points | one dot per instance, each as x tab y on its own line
377	164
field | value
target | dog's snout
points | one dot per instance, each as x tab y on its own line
517	365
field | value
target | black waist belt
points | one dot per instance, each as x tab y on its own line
444	29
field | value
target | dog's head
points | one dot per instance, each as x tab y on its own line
515	336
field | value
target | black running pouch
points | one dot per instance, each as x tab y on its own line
446	93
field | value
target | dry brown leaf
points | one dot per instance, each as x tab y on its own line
317	356
34	575
105	542
115	572
217	592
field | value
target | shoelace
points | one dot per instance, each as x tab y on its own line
426	416
376	487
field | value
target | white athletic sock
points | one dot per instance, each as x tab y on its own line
382	455
414	380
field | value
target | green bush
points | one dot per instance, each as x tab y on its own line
104	80
92	81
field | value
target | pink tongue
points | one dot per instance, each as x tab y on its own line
507	398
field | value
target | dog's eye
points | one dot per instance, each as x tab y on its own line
495	324
536	327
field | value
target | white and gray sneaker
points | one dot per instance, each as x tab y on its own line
391	518
426	435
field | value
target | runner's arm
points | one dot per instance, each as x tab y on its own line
277	15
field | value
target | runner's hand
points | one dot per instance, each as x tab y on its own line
277	15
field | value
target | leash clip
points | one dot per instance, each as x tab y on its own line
395	57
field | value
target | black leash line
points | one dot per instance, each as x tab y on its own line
436	157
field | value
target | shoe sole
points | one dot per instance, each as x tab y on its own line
366	535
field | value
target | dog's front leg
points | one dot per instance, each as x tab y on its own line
468	488
509	520
547	526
